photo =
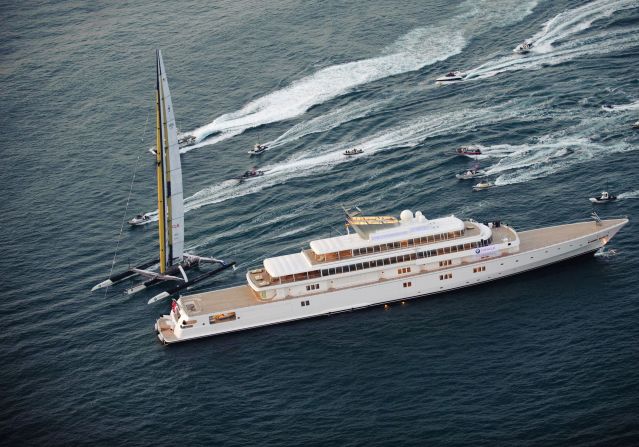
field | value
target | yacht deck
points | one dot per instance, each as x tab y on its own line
542	237
219	300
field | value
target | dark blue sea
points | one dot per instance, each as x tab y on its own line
547	358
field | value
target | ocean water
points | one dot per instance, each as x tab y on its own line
546	358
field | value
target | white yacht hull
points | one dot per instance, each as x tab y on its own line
387	290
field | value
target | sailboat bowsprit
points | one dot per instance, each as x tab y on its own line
173	261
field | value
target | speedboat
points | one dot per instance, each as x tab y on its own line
140	219
482	185
258	149
608	107
523	47
470	173
636	125
186	140
451	76
605	197
468	150
253	173
350	152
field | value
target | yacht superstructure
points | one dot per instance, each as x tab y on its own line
384	259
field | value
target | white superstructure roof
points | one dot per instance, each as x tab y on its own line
407	229
287	265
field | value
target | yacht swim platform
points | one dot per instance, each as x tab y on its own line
229	299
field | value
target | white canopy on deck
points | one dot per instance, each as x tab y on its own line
406	230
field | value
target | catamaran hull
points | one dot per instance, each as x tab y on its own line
383	292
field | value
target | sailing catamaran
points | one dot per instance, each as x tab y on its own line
173	261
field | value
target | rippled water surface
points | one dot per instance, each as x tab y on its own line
546	358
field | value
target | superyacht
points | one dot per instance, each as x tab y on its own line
382	259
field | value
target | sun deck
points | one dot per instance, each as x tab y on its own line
219	300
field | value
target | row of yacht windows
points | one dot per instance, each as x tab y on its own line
390	246
386	261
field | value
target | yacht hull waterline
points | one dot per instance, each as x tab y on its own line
253	305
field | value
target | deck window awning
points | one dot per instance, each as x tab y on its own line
287	265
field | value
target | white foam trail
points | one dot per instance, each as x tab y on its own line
210	141
561	40
329	120
553	154
629	195
322	159
416	49
574	21
622	107
420	47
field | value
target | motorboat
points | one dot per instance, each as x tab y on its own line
608	107
470	151
482	185
350	152
186	140
140	219
253	173
635	125
258	149
469	174
605	197
523	48
452	76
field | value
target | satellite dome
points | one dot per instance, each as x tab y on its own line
419	216
406	216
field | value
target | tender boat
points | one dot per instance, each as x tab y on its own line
140	219
186	140
468	150
253	173
523	48
350	152
381	261
452	76
483	185
470	173
605	197
258	149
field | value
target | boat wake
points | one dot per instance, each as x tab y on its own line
629	195
212	140
413	51
564	38
621	107
324	158
551	154
328	121
418	48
